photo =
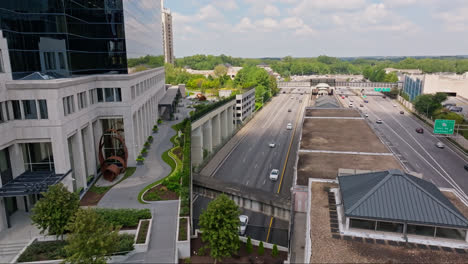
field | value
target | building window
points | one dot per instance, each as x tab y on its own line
68	105
451	233
118	95
1	62
43	109
100	96
133	92
109	94
362	224
61	60
16	109
38	157
82	102
29	108
49	59
390	227
421	230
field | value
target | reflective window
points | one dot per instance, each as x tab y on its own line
1	62
82	101
100	96
68	105
16	109
49	59
2	115
109	94
29	108
43	109
61	60
38	157
118	95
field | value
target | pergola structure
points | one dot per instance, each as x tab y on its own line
167	105
397	202
31	183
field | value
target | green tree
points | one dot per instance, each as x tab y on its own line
220	70
439	97
91	240
425	104
274	251
53	212
261	249
391	77
220	226
249	246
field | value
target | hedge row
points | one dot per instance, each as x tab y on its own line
185	190
206	108
126	218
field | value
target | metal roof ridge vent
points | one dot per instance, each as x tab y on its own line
396	172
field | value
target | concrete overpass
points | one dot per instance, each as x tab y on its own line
211	129
352	85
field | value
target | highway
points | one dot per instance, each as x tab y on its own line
443	167
251	162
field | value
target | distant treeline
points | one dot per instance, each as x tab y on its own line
288	66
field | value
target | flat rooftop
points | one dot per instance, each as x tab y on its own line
326	165
339	138
328	247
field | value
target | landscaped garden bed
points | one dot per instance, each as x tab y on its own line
243	256
182	229
143	232
95	193
160	193
55	250
125	218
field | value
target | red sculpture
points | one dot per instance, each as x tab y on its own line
109	169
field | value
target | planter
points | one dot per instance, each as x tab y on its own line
144	154
143	247
140	162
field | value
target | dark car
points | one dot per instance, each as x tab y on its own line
420	130
384	96
289	110
361	105
466	167
401	112
365	101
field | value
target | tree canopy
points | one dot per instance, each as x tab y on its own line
53	212
220	226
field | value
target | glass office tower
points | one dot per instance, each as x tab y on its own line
63	38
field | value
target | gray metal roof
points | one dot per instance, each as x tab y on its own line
169	96
398	197
326	102
31	183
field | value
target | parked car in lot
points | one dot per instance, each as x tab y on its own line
244	221
420	130
289	126
350	105
289	110
361	105
394	105
366	101
366	115
274	174
379	121
401	112
440	145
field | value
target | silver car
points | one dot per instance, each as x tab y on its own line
244	220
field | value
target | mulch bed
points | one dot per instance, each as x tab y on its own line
91	198
161	192
242	257
178	152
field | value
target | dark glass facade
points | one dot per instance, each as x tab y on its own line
78	37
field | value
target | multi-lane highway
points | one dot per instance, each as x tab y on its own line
418	152
252	160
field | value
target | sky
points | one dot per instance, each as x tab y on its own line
309	28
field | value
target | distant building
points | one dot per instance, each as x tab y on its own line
245	105
452	84
225	93
231	72
168	37
407	71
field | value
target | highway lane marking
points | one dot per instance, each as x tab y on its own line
420	145
269	229
454	184
346	152
256	165
264	181
247	183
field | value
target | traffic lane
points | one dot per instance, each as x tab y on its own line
448	162
257	228
242	162
437	165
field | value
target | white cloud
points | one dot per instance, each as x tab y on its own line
309	6
244	25
267	24
226	4
271	11
454	21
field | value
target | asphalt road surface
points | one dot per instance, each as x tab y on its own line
256	228
252	160
443	167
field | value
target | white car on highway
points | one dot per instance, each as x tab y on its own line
272	145
440	145
274	174
289	126
244	220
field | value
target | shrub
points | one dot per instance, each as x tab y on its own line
50	250
147	144
150	138
159	121
249	246
123	217
125	244
141	239
140	158
261	249
274	251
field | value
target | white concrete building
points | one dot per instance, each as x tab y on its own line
168	37
245	105
452	84
57	100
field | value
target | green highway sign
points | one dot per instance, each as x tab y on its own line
442	126
364	96
382	89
